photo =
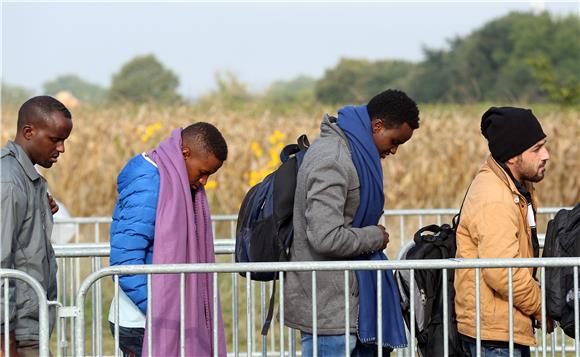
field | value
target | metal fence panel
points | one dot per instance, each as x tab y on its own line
76	261
231	268
43	325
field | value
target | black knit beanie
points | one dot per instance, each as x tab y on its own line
510	131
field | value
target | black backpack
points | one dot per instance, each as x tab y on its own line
562	238
265	230
431	242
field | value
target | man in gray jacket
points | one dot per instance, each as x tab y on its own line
328	195
43	125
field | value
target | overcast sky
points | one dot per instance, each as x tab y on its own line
260	42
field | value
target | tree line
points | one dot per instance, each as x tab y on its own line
517	57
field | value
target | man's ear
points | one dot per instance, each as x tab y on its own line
28	131
376	125
513	160
185	151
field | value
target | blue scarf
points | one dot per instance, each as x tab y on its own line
356	125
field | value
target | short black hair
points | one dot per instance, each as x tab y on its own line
393	107
208	138
40	107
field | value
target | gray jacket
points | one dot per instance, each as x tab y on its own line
25	231
327	198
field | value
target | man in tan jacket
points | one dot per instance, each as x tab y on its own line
498	221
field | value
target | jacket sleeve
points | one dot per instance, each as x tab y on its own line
326	196
12	213
132	234
497	232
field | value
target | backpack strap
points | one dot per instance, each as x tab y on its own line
292	149
303	142
456	218
288	151
268	321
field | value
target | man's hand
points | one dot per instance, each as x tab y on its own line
52	204
385	237
13	351
549	324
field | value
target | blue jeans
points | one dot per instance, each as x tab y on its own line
328	345
130	340
487	351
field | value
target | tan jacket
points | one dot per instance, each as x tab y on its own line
494	225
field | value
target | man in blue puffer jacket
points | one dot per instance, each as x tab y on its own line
133	227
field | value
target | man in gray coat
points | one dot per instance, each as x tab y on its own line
328	195
43	125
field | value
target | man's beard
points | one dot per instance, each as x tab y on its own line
534	175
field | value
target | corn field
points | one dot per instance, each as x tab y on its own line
432	170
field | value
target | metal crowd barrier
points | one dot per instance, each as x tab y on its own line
43	333
345	267
78	260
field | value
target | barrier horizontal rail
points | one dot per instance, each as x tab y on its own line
401	223
215	268
90	250
454	263
233	217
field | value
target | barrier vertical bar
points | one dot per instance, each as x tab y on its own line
263	315
149	316
215	329
563	343
379	313
273	324
182	314
116	278
412	309
59	334
248	313
72	293
292	342
543	297
93	314
314	317
99	296
282	352
402	229
346	313
576	312
64	342
75	279
554	343
477	312
253	320
511	312
7	316
235	313
445	315
232	230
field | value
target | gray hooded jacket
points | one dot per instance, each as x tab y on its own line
26	227
327	198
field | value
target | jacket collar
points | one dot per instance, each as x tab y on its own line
329	127
505	178
18	152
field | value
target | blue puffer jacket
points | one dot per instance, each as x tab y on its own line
133	226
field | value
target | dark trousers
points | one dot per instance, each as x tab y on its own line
494	349
130	340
